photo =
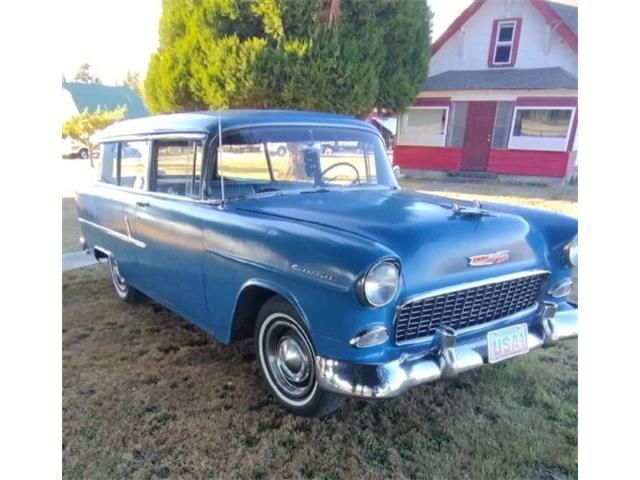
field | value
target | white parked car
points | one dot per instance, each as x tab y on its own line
280	149
72	148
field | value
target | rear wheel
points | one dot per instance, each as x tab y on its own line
281	151
287	361
84	153
125	291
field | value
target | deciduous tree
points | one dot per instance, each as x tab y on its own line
86	75
83	126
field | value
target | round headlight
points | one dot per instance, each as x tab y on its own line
381	284
571	252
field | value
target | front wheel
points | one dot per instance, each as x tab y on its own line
287	361
125	291
84	154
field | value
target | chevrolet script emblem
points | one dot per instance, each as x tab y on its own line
488	259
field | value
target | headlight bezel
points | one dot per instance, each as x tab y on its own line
570	252
362	284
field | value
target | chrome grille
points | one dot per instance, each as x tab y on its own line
468	306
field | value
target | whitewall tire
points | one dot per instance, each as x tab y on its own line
286	360
125	291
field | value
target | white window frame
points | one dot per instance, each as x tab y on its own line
431	107
503	43
546	107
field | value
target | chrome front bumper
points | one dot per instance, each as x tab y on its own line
443	359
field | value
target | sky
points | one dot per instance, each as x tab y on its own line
119	35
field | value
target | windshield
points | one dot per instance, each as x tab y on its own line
299	159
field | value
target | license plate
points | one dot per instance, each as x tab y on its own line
507	342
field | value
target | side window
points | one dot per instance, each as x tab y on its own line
108	163
133	163
178	166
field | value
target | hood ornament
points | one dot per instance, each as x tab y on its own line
487	259
476	209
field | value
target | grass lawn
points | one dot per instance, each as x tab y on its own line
147	395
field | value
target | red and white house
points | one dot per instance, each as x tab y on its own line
501	96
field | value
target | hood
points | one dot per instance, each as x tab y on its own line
431	241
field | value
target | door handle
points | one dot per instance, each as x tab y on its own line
142	204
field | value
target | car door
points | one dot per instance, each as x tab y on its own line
133	179
169	222
107	210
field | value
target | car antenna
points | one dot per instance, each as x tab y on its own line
219	157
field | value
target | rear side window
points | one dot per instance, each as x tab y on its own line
177	167
108	163
133	164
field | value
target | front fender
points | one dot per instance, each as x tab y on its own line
555	229
314	267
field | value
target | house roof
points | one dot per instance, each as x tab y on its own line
207	122
563	16
568	13
389	123
92	95
517	79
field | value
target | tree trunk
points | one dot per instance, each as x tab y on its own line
329	11
334	11
296	163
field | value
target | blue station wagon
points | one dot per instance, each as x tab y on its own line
290	227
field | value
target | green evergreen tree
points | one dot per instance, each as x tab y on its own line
345	56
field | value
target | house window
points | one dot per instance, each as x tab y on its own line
457	124
504	42
502	125
541	128
423	126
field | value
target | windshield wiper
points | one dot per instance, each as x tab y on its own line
316	190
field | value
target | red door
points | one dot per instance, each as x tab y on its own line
477	136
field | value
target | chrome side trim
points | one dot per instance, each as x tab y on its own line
465	286
392	378
113	233
126	222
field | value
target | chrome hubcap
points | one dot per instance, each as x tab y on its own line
289	359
